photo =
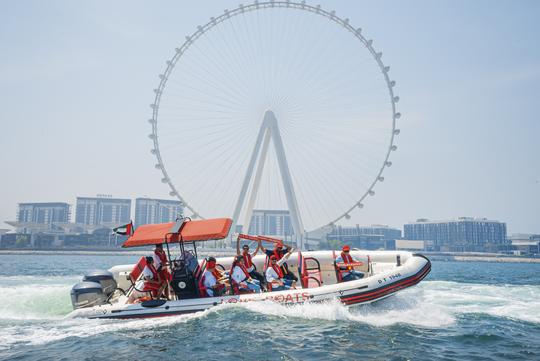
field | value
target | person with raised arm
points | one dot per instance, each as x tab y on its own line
279	254
275	277
248	263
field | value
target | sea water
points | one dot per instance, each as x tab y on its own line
461	311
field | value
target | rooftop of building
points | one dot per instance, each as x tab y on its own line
175	201
454	220
108	199
45	204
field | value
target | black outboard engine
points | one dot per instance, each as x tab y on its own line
105	278
183	283
87	294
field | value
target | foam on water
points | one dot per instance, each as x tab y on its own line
32	312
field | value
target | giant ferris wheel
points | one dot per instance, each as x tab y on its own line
275	105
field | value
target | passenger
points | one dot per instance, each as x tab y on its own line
161	263
241	277
279	254
275	277
148	284
348	273
248	263
213	279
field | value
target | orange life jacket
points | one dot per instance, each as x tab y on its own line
346	257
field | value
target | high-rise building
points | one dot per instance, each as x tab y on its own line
102	210
461	235
366	237
271	223
43	213
151	211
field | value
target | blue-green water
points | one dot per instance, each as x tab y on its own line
462	311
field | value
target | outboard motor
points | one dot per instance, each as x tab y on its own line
105	278
87	294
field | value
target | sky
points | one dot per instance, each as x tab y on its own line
77	78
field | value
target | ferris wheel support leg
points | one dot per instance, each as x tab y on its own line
286	178
269	129
257	180
245	184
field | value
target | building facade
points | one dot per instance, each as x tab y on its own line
464	234
152	211
271	223
105	211
43	213
366	237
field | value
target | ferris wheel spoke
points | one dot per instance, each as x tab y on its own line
333	103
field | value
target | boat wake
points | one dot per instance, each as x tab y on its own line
33	313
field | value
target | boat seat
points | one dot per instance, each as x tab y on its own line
310	276
135	275
363	266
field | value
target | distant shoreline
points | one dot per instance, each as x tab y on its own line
449	257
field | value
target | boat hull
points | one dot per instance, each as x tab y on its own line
370	289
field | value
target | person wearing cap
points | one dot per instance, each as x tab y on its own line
213	279
279	254
250	266
348	273
241	277
274	275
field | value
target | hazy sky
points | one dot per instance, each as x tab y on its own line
76	79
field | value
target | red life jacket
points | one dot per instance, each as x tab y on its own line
247	259
278	253
217	274
162	257
243	268
278	270
347	259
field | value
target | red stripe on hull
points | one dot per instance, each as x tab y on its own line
368	296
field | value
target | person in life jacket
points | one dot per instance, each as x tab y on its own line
241	277
279	253
248	263
148	283
348	273
213	279
161	264
275	277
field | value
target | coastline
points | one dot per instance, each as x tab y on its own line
442	257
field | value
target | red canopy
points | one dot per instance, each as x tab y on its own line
200	230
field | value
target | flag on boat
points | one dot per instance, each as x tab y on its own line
126	229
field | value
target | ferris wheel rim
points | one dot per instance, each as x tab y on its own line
256	6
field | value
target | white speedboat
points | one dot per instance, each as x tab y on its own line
106	294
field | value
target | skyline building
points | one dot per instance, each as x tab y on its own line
366	237
151	211
464	234
43	213
270	222
102	210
